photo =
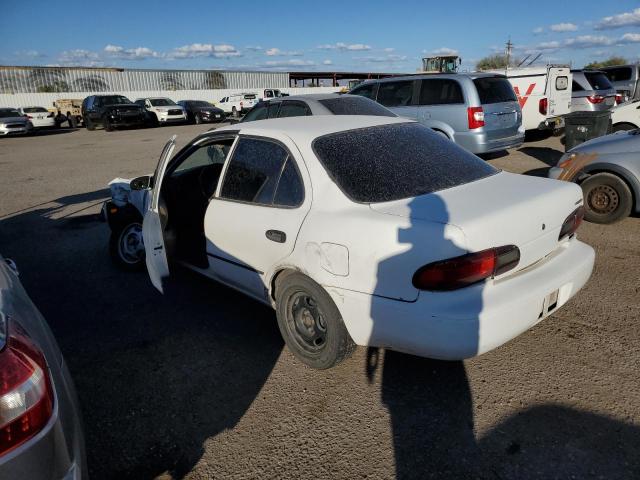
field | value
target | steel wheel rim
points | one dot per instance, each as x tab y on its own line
130	244
604	199
306	322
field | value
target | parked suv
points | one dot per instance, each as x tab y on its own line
478	111
199	111
162	110
624	79
111	111
591	91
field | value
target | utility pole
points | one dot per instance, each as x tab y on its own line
508	50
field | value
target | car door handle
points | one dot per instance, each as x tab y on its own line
276	236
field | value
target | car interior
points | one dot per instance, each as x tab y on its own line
187	188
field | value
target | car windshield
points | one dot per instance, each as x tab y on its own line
494	90
9	112
34	110
114	100
355	106
391	162
162	102
598	80
200	103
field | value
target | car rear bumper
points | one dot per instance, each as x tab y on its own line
471	321
481	142
44	123
14	131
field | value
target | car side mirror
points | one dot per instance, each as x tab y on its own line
141	183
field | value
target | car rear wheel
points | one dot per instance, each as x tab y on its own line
107	124
310	322
89	124
126	247
607	198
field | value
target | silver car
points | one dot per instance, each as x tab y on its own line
315	104
625	79
478	111
40	430
591	91
12	122
608	170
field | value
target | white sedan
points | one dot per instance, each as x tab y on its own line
39	117
626	116
369	231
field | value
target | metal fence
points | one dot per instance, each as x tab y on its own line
15	80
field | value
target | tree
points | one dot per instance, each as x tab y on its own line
495	62
609	62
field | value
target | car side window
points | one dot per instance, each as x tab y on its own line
440	92
259	112
290	190
395	94
293	109
367	90
254	171
272	110
204	155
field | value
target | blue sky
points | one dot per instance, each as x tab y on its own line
300	35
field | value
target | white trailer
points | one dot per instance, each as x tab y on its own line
544	94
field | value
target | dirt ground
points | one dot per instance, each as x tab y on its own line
198	384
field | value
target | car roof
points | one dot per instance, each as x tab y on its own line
304	129
310	96
471	75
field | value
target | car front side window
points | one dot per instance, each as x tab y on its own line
254	172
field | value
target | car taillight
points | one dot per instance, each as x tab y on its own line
571	224
26	395
476	117
543	106
460	272
50	115
595	98
619	98
29	117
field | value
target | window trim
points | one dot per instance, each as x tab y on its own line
295	102
186	151
223	175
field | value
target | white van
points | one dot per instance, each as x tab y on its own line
238	103
544	94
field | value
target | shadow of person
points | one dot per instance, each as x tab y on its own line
429	401
157	376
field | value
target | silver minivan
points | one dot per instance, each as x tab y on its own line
478	111
591	91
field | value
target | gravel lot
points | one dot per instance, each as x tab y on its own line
198	384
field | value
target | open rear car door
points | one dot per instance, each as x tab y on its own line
155	219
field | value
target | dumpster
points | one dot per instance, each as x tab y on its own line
582	126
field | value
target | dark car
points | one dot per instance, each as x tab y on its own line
199	111
316	104
111	111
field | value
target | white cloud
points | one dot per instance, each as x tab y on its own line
276	52
253	48
563	27
139	53
444	51
538	30
205	50
294	62
80	57
30	54
548	45
344	46
327	62
384	59
389	49
587	41
630	38
627	19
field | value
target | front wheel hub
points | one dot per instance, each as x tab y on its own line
604	199
308	322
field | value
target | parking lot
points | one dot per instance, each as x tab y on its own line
197	383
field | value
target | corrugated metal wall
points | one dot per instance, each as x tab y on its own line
46	100
51	79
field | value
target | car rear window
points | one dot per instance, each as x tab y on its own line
34	110
618	74
390	162
355	106
494	90
8	113
598	80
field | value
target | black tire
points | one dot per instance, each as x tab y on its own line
623	127
107	124
197	118
89	124
153	120
73	122
607	198
123	246
310	322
